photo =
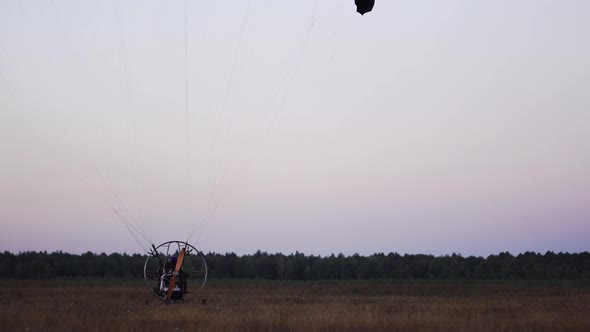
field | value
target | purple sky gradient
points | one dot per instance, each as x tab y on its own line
421	127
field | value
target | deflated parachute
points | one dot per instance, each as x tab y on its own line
364	6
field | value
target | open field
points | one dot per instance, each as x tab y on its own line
120	305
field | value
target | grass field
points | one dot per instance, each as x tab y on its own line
126	305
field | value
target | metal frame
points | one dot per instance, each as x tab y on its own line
194	265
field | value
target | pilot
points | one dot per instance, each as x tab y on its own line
170	264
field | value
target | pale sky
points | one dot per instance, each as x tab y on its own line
421	127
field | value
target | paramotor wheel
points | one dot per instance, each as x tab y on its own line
170	281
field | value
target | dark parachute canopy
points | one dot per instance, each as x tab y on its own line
364	6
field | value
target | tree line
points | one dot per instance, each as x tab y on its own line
298	266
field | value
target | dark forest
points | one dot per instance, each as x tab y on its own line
298	266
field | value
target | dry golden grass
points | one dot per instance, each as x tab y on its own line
86	305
